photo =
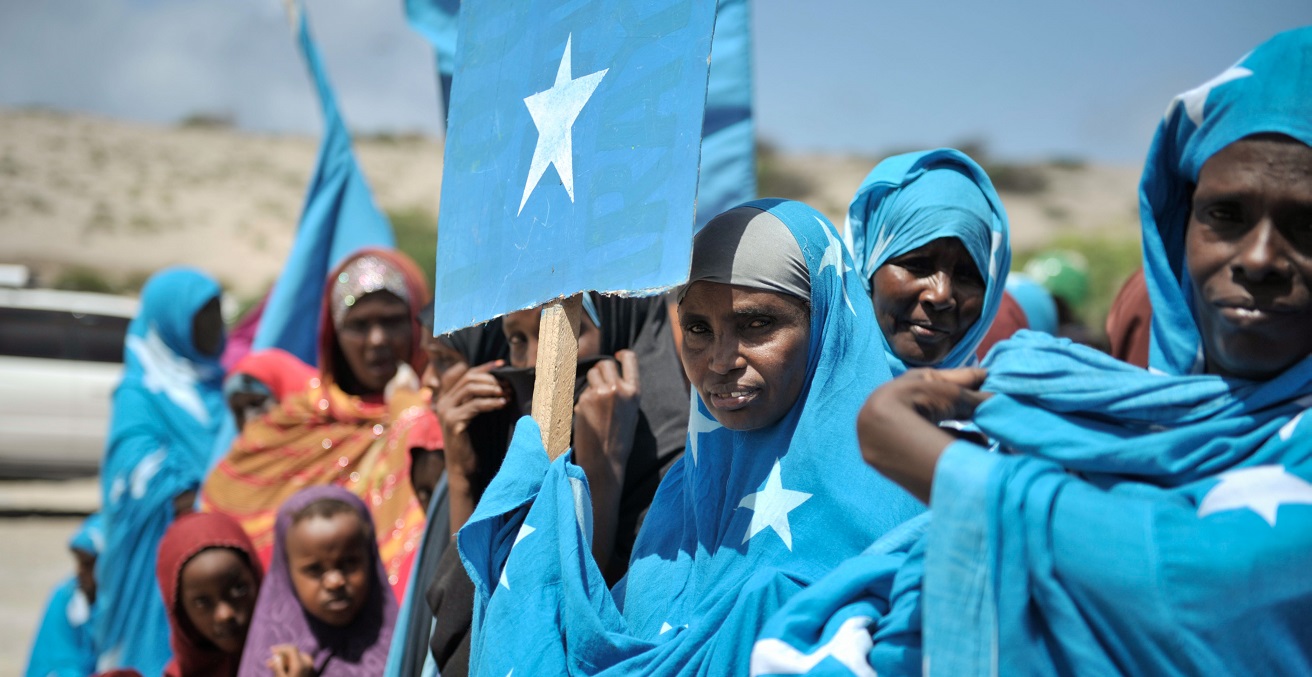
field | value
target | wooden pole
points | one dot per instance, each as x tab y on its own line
553	390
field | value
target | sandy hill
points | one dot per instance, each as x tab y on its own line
124	198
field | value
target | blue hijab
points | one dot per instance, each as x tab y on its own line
1144	522
64	646
166	413
738	525
1148	523
910	200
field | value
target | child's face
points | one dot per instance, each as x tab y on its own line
217	590
329	562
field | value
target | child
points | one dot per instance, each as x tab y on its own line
209	576
64	645
326	608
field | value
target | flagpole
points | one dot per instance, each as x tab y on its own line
553	389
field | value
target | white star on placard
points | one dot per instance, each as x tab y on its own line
1262	489
770	507
833	256
1195	98
554	112
698	425
524	530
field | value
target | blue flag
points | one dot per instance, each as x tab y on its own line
571	156
338	218
728	161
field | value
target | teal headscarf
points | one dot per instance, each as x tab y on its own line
908	201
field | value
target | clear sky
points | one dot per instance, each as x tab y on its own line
1030	78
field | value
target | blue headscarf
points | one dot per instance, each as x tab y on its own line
1178	548
740	523
166	413
1144	523
1268	91
908	201
64	646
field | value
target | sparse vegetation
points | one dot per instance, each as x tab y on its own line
82	278
775	178
208	120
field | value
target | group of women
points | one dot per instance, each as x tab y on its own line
753	455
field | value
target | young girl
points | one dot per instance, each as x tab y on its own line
326	608
209	576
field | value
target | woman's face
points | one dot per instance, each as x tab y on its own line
328	558
927	299
1248	249
375	335
207	328
745	351
521	330
217	591
445	365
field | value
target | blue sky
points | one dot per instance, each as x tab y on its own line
1031	79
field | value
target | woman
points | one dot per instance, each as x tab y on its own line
165	416
209	576
350	427
764	503
930	240
325	609
1146	522
64	646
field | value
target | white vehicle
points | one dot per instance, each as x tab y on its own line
61	355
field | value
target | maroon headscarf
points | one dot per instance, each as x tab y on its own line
357	649
1009	320
1130	320
187	537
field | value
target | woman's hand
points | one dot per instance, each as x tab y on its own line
898	426
605	419
475	392
289	661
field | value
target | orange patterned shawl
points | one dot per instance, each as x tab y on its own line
327	436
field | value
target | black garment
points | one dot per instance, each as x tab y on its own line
639	324
437	535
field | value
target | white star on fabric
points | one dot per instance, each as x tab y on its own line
165	372
699	424
1195	98
554	111
770	507
1262	489
524	530
833	256
850	646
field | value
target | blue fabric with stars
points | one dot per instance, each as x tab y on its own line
1142	522
1148	523
165	417
739	524
910	200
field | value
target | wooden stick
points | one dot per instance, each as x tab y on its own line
553	390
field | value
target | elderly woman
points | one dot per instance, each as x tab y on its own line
350	428
1140	522
763	502
929	238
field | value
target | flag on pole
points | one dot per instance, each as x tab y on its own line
338	218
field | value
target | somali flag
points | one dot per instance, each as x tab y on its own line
728	161
339	217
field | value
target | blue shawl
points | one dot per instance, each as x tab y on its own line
1178	547
166	413
64	646
908	201
739	524
1145	522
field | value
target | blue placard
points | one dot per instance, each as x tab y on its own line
572	151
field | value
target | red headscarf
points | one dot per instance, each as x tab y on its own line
188	536
1129	321
281	371
1009	320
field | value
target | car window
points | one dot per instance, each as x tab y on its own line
61	335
